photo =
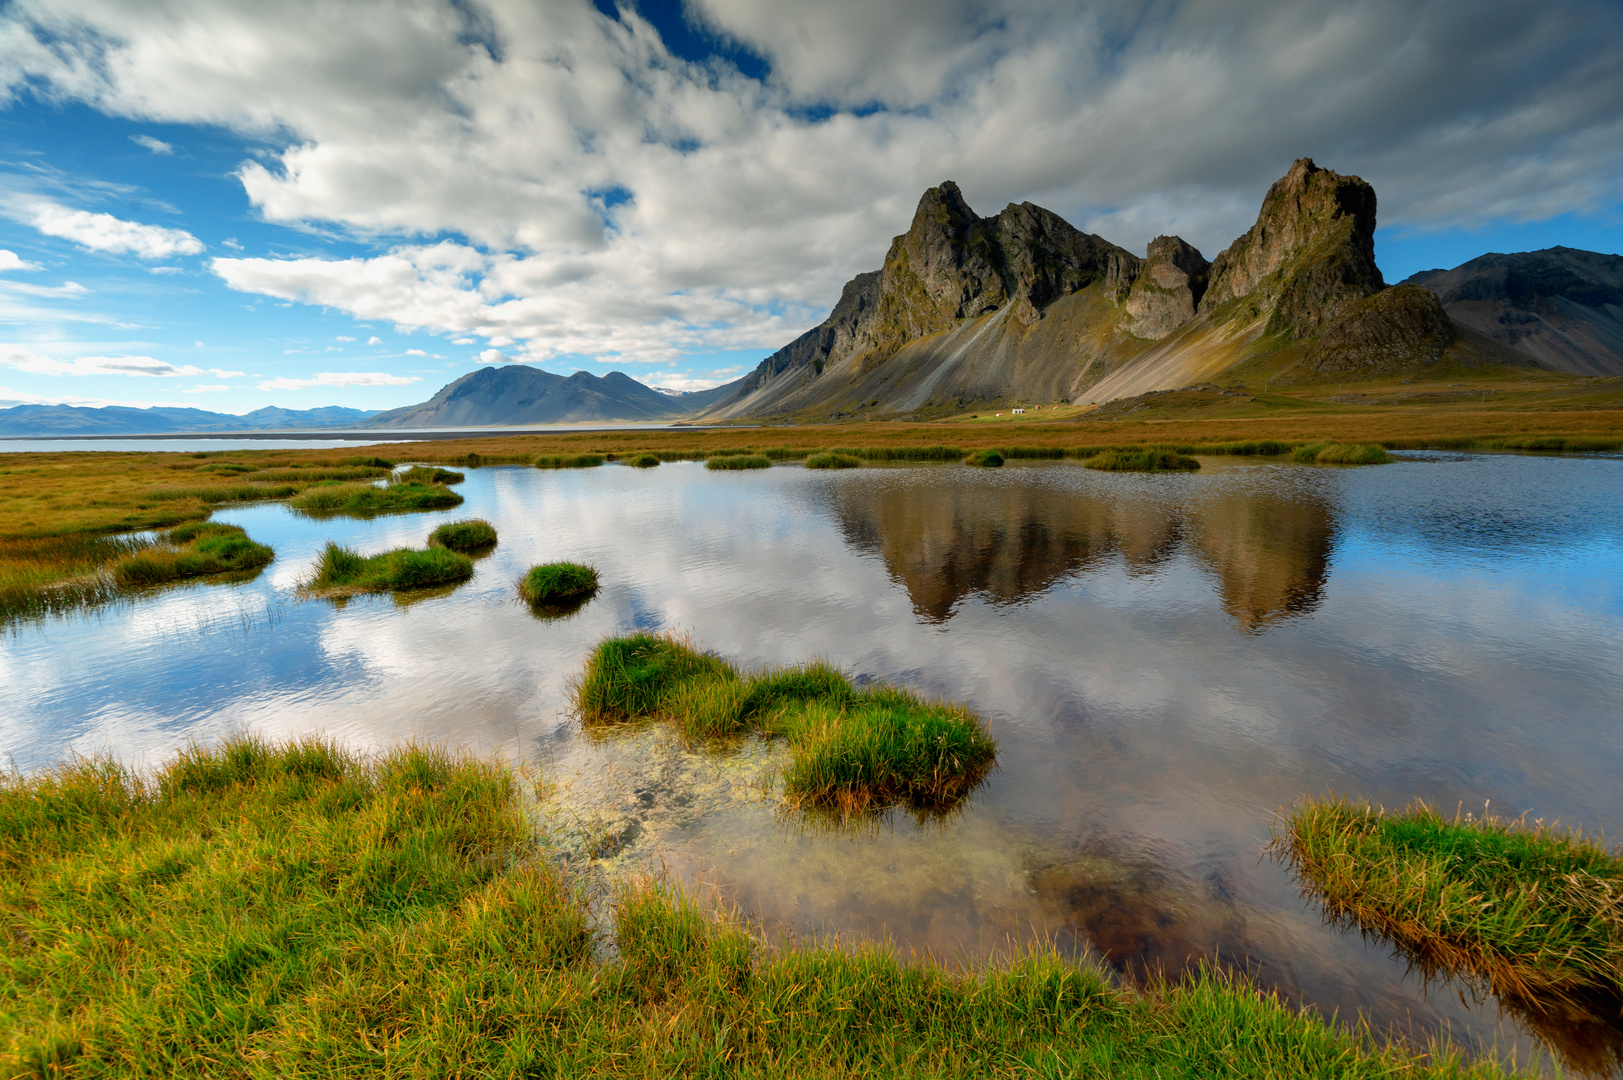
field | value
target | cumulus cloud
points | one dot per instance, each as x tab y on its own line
22	359
10	260
494	356
604	197
340	378
157	146
104	232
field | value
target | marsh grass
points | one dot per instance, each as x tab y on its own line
1333	453
733	462
472	534
829	459
341	572
1142	461
1034	453
55	574
852	749
369	500
427	474
902	453
643	461
568	461
1527	909
558	584
787	453
192	550
985	459
301	911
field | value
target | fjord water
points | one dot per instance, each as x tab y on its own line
1166	660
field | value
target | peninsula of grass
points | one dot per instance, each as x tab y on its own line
192	550
1527	909
1141	461
558	584
569	461
734	462
369	500
472	534
643	461
341	572
299	910
851	749
427	474
832	460
985	459
1332	453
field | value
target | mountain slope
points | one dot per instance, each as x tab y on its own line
46	420
1561	307
516	395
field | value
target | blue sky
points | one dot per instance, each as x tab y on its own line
232	205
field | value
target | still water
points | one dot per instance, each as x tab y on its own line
1166	661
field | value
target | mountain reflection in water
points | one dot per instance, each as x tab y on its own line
1010	541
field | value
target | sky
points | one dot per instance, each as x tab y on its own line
229	205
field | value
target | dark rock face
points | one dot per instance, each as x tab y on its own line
838	334
1310	254
1168	288
1561	307
1401	327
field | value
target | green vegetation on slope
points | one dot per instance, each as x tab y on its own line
1525	908
738	461
367	500
299	911
471	534
558	583
850	749
341	572
192	550
1141	461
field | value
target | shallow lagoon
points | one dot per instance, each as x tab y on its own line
1165	659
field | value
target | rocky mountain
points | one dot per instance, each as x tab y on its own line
1023	306
1560	307
46	420
515	395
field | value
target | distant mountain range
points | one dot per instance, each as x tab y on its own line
518	395
46	420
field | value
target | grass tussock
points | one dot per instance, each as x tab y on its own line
643	461
557	584
1142	461
985	459
192	550
735	462
472	534
569	461
1032	453
851	749
1528	909
300	911
369	500
787	453
902	453
832	459
427	474
341	572
1333	453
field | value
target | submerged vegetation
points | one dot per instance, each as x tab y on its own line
568	461
191	551
1142	461
367	500
832	460
985	459
558	584
1528	909
850	748
341	572
1332	453
738	461
472	534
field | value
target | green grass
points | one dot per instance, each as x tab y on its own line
985	459
568	461
850	749
829	459
368	500
643	461
254	910
192	550
1037	453
427	474
472	534
558	583
1527	909
738	461
342	572
902	453
1141	461
1332	453
787	453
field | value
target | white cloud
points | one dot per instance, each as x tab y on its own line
369	341
157	146
415	352
166	269
200	389
340	378
21	359
10	260
686	380
494	356
343	337
104	232
10	397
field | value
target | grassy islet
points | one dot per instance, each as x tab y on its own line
342	572
558	583
471	534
